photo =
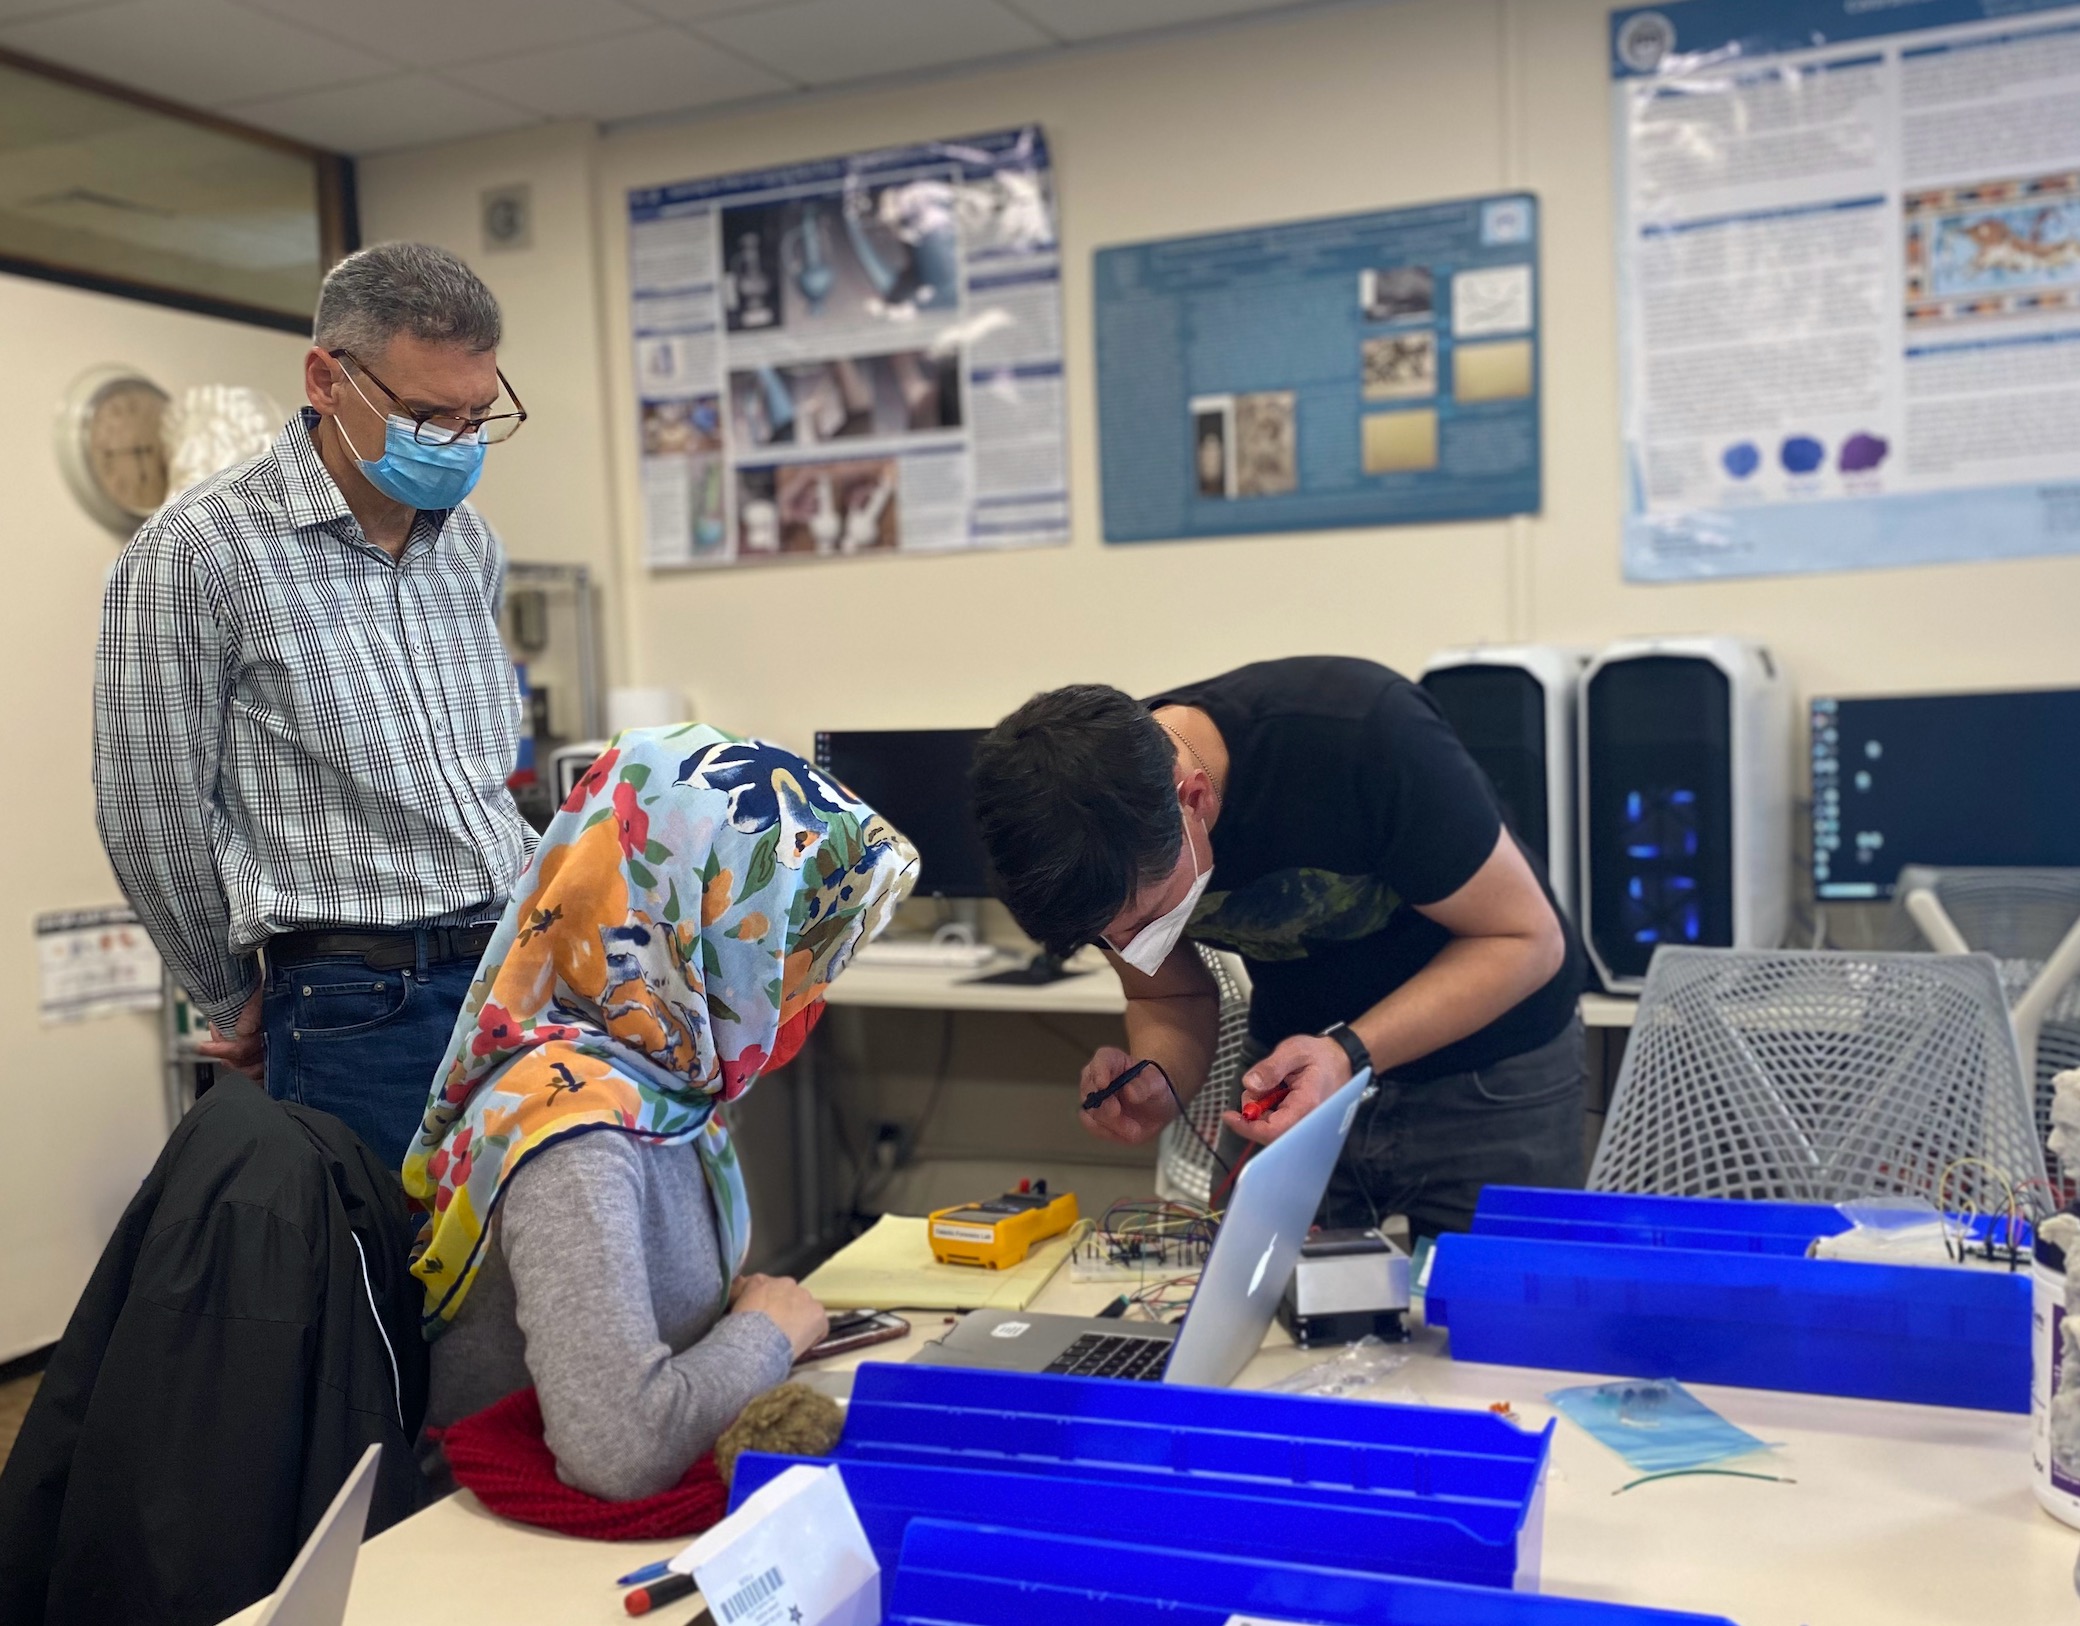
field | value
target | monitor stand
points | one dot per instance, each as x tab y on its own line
1037	972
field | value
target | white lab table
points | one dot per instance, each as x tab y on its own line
1092	993
1900	1516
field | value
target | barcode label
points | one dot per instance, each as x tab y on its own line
749	1596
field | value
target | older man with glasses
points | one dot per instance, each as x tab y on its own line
304	717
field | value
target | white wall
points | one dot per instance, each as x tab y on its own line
1363	107
83	1105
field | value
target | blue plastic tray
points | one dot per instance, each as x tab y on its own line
1709	1292
955	1574
1234	1441
1655	1222
1299	1527
1407	1490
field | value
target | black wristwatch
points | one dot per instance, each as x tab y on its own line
1353	1046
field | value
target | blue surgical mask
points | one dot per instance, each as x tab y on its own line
1657	1426
414	473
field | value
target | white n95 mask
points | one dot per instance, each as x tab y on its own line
1151	945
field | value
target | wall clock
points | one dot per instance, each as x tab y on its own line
109	446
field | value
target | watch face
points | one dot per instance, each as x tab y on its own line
124	452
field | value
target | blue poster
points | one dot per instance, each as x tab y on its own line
1373	369
1849	283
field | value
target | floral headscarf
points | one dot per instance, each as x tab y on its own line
671	941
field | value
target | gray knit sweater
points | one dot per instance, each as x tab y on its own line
602	1285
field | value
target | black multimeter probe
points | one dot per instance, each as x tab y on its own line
1098	1098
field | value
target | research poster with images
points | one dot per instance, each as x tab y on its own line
1365	369
856	356
1849	277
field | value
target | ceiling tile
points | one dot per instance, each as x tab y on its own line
201	52
825	42
436	35
14	11
676	11
659	70
1093	19
404	110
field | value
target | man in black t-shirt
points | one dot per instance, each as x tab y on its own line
1318	817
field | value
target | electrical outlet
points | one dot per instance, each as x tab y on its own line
892	1145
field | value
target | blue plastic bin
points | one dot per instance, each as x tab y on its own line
1592	1282
955	1574
1469	1548
1655	1222
1407	1490
1239	1442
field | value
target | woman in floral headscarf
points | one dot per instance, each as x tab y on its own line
586	1216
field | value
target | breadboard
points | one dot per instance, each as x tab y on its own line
1141	1260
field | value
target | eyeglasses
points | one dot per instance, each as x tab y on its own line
440	428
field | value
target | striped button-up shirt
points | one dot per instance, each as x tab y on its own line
295	731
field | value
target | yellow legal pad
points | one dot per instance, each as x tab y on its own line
892	1268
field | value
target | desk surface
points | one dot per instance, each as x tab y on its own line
1901	1515
1094	993
903	987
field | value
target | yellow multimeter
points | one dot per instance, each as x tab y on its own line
999	1233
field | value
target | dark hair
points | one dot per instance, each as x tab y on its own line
1076	802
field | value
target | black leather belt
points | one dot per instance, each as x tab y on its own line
380	951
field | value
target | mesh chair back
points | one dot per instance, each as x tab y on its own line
1184	1165
2017	915
2020	917
1764	1073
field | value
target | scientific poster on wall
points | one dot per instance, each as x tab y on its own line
1370	369
856	356
1849	260
94	962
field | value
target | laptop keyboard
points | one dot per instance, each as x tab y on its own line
1113	1355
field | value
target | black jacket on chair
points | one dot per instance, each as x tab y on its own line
250	1330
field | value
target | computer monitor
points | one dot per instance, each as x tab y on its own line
1945	779
917	778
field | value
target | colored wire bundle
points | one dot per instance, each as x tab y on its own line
1133	1229
2006	1243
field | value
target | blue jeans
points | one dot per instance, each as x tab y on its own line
1425	1149
362	1045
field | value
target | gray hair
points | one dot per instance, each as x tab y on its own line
376	293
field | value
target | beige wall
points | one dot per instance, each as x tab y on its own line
83	1104
1341	109
548	492
1362	107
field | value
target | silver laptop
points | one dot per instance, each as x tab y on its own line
1274	1203
314	1592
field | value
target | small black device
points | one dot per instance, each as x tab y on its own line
917	778
1964	780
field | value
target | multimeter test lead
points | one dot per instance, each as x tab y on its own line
1266	1103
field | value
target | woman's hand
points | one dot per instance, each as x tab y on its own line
784	1302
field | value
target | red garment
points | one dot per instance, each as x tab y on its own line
793	1034
500	1454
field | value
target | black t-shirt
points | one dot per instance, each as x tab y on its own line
1349	799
